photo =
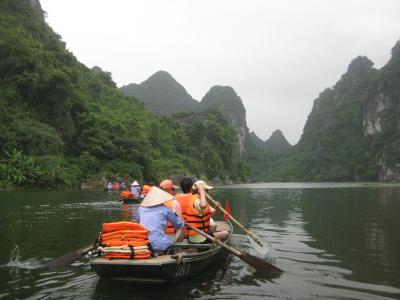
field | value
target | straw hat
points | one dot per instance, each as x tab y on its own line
201	183
155	197
135	183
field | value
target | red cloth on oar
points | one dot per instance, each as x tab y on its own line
228	210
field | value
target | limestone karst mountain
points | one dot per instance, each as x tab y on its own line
353	130
161	94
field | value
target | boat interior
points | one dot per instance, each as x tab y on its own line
183	250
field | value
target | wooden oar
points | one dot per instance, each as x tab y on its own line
68	258
259	244
254	261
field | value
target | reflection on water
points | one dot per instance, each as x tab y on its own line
333	241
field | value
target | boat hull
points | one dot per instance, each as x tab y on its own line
164	268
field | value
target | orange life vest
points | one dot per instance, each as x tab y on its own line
131	237
126	195
115	226
184	201
170	228
199	220
146	189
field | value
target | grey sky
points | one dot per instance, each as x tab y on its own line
277	55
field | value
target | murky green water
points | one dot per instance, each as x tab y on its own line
333	241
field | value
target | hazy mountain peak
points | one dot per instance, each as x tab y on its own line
161	75
277	143
225	99
359	66
161	94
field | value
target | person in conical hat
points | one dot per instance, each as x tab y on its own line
135	189
154	215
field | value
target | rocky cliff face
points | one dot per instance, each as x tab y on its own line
225	100
353	130
381	118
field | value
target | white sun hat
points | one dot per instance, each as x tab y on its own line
201	183
155	197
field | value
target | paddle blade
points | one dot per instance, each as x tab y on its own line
261	245
260	264
228	210
67	258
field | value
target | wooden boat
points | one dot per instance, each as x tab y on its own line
192	259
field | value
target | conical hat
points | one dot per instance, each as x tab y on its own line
135	183
155	197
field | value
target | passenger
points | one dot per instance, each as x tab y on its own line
204	212
154	215
145	189
109	186
168	186
135	189
186	196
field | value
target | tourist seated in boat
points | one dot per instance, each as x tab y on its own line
168	186
109	186
198	214
186	196
145	189
135	189
154	215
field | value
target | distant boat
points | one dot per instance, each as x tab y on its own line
193	259
129	197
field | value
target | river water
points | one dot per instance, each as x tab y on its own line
334	241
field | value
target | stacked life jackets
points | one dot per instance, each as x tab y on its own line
191	215
125	240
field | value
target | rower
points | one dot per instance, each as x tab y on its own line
154	215
198	214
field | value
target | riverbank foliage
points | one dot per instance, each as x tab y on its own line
62	123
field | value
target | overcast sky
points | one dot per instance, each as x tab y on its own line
277	55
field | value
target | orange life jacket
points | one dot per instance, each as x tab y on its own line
199	220
170	228
184	201
126	195
125	234
115	226
146	189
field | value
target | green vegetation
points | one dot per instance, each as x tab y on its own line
62	123
336	144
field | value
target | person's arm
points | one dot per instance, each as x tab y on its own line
174	219
203	201
177	223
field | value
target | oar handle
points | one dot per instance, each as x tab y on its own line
217	241
249	233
